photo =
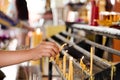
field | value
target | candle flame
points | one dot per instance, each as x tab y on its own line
71	58
38	31
82	58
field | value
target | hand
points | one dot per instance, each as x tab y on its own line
45	49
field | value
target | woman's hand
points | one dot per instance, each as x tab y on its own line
45	49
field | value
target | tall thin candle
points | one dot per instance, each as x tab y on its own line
91	63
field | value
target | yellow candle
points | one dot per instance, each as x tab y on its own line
63	46
64	64
111	17
115	17
70	69
82	64
60	65
91	62
67	76
118	17
36	38
81	60
57	59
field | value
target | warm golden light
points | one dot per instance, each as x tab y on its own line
38	31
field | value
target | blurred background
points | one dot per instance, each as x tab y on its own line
52	17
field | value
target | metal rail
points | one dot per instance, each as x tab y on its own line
102	30
110	50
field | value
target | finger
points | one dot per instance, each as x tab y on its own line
53	49
49	51
52	44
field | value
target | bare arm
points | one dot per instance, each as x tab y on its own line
14	57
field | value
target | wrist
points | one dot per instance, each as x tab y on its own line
33	55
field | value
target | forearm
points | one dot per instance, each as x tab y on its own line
14	57
45	49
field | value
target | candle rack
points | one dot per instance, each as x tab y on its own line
102	67
68	57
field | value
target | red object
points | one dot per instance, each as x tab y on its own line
94	13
